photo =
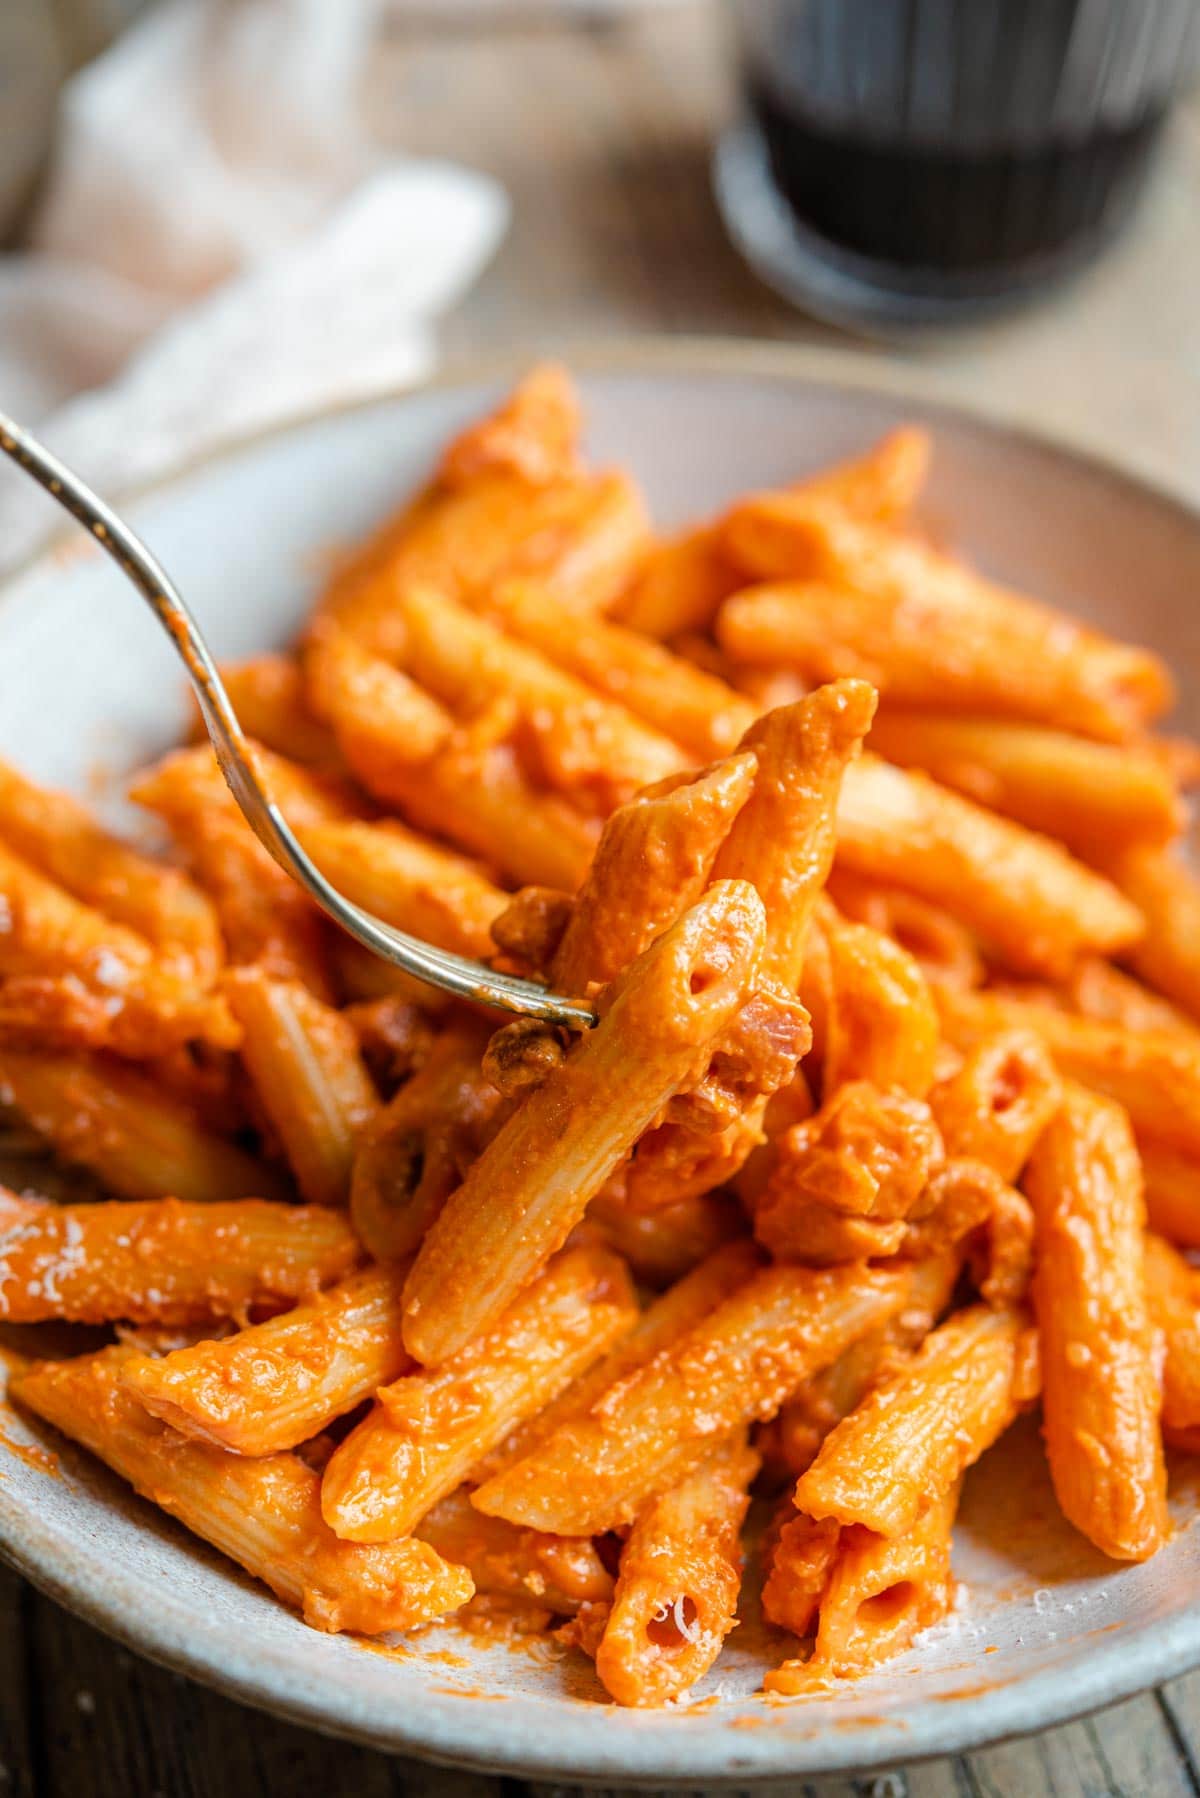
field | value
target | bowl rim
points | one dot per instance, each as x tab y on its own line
1111	1667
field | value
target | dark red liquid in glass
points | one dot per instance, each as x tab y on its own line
961	211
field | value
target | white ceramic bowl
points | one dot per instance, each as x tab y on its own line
1048	1628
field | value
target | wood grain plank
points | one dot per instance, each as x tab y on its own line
1125	1752
16	1745
113	1726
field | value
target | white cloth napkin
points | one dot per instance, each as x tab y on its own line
221	246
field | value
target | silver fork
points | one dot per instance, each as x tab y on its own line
453	973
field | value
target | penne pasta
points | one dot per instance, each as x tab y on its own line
592	749
303	1058
880	1023
1155	1075
930	632
999	1102
264	1514
1167	894
56	944
278	1383
680	585
162	1261
867	1155
467	784
677	1589
700	712
264	917
269	695
819	1404
916	1432
428	1429
1173	1298
1029	901
1172	1192
664	1322
1090	795
564	1573
776	1330
1100	1397
534	1180
781	841
534	433
59	836
769	534
653	860
944	950
417	1149
139	1140
661	1246
879	1594
410	883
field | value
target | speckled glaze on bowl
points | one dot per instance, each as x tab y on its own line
1047	1629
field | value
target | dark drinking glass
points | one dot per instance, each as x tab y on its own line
914	161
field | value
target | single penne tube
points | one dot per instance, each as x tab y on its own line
653	860
1100	1399
410	882
739	1363
782	839
880	1593
1030	901
768	534
916	1432
661	1246
1155	1075
304	1060
534	433
264	1513
416	1150
283	1381
163	1261
817	1406
561	1572
265	918
1173	1297
931	632
269	695
880	1021
677	1589
999	1102
60	836
942	947
664	1321
1167	893
589	747
866	1155
1172	1190
694	708
679	585
533	1182
429	1428
139	1140
407	751
1086	794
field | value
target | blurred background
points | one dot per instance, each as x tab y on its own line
220	212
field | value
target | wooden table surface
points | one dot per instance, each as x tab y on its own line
601	130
